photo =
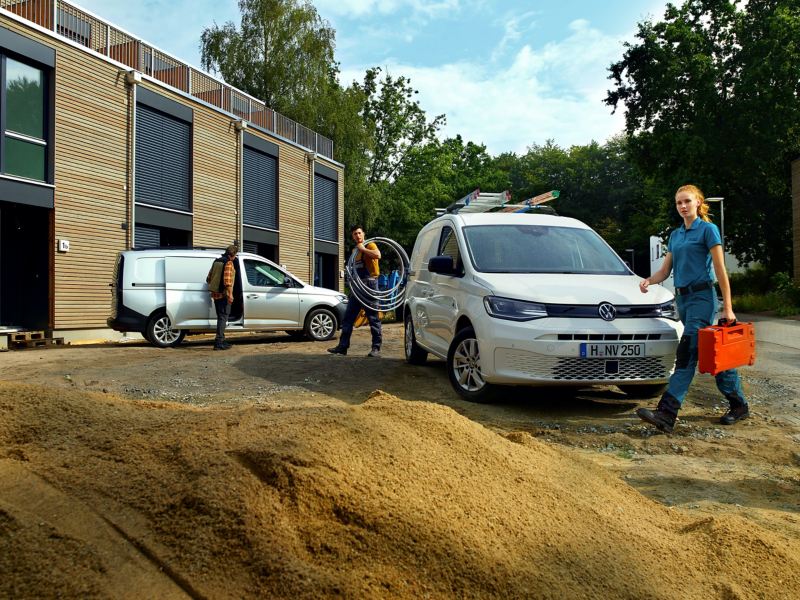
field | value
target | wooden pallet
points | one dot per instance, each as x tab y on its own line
36	343
25	336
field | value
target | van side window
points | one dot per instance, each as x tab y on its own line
448	246
424	249
263	274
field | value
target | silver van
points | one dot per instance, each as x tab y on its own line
163	295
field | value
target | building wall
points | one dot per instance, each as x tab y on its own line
796	218
91	181
214	197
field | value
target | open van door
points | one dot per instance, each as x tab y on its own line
189	303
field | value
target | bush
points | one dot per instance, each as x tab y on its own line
755	280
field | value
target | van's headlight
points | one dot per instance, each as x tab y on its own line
514	310
668	310
341	298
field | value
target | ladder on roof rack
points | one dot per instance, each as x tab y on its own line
479	202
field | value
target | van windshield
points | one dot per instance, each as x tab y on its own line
540	249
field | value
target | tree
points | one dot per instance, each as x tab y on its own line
432	176
282	53
711	97
396	121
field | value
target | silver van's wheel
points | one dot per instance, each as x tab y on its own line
320	324
414	354
160	331
464	367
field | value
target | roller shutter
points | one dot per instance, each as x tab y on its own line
260	202
325	209
147	237
163	159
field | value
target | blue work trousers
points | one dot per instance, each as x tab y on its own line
354	306
697	310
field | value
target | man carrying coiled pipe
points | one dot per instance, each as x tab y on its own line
367	270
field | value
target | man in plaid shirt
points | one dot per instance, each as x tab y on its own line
220	283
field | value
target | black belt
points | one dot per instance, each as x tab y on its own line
690	289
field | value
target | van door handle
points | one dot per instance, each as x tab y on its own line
252	296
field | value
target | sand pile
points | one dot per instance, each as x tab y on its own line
102	496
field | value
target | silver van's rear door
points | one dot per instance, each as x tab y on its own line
189	304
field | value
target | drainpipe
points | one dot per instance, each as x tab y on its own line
311	157
240	126
132	78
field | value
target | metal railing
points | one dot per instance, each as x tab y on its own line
81	27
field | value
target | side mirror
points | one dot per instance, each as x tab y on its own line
287	281
442	264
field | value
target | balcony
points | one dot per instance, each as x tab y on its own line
83	28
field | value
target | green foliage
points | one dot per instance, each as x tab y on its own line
710	94
282	52
434	175
755	280
757	291
599	185
395	120
395	127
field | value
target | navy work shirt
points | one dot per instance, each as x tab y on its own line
691	256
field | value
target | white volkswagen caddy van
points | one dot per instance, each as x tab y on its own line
163	295
534	299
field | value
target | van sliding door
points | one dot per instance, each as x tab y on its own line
189	304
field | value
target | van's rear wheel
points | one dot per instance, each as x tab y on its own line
464	368
414	354
320	324
160	331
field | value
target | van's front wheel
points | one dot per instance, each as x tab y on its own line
464	368
320	325
160	332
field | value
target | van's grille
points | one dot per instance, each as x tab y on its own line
567	368
607	337
649	367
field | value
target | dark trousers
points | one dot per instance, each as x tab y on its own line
223	308
354	306
697	310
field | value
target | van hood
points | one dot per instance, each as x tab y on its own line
319	291
559	288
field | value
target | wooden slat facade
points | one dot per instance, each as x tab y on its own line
91	181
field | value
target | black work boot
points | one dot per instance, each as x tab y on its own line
738	410
338	350
663	417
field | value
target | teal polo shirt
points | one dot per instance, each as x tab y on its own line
691	256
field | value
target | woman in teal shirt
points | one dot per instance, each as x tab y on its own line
693	250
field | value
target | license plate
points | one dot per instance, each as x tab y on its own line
612	350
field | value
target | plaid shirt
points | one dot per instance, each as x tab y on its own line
227	282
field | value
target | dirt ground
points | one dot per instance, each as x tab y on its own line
277	470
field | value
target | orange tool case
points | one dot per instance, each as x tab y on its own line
723	347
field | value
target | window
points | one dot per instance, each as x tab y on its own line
163	159
263	274
260	193
325	209
448	246
25	134
540	249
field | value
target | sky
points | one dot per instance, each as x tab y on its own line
507	73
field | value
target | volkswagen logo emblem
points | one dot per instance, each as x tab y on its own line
607	311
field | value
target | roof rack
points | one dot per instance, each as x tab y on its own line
480	202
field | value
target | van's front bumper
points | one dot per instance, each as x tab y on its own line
127	320
548	351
